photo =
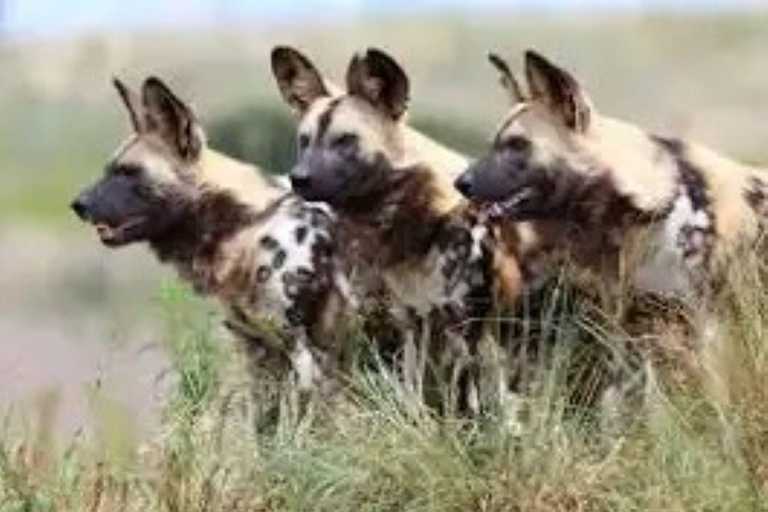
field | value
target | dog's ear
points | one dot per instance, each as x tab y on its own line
168	116
299	81
559	91
378	79
507	78
132	104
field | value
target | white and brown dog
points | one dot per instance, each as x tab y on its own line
267	255
443	265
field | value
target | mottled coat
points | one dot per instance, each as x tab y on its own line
441	262
661	214
268	256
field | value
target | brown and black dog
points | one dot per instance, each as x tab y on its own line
664	213
655	222
444	266
268	256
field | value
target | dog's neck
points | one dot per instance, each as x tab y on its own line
588	202
639	168
230	198
587	220
423	151
399	222
248	184
193	243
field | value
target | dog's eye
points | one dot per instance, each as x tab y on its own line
303	141
130	171
517	144
345	141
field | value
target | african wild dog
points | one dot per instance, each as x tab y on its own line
264	253
440	261
664	213
649	221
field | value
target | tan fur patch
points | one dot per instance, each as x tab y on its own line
149	153
509	278
247	182
727	180
611	147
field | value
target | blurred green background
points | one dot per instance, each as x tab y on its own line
73	313
702	76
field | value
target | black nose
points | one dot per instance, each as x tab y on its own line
464	184
300	181
78	206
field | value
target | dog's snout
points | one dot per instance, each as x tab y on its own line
78	206
464	184
300	181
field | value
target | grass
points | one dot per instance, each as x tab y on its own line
694	447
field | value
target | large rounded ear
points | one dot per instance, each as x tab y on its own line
297	78
559	91
508	80
167	116
378	79
132	103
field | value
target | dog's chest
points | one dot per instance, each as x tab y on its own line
679	248
453	273
292	265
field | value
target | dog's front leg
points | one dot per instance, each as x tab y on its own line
305	366
412	360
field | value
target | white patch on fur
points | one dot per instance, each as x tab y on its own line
305	366
423	286
479	232
281	226
344	287
269	300
473	397
666	271
282	181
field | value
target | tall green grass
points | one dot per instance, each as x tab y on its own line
697	446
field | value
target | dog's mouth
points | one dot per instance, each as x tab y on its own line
510	207
120	234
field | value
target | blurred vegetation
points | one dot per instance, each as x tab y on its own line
265	135
260	134
700	75
454	133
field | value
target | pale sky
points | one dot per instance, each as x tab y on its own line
55	17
